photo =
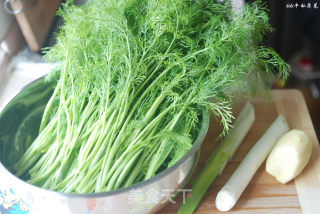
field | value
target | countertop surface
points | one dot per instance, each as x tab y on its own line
19	73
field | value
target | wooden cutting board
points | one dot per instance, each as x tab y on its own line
264	194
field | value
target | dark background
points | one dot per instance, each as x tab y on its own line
295	29
296	38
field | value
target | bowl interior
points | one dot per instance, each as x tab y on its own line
20	120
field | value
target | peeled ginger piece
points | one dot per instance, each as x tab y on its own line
289	156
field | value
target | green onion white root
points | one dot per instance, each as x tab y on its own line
232	190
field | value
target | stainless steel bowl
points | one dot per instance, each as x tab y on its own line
19	122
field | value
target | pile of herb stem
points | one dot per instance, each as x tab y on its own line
132	80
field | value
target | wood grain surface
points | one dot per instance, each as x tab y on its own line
35	20
264	194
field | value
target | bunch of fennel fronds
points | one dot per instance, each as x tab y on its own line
133	78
